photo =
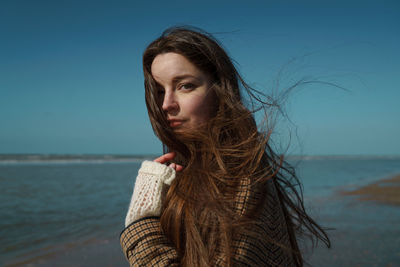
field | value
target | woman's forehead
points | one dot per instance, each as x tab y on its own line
171	66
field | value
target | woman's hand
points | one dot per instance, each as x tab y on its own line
148	193
168	157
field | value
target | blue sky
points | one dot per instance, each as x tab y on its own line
71	78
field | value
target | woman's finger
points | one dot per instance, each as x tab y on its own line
165	158
168	157
178	167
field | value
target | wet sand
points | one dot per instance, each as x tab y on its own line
386	191
366	226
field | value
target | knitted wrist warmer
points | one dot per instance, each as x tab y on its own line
147	195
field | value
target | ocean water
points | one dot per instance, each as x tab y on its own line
50	206
53	208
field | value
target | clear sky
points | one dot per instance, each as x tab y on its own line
71	78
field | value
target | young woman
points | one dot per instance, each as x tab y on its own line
219	196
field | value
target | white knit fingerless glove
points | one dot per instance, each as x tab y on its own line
147	194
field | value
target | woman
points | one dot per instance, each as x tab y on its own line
225	198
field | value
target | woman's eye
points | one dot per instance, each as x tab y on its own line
187	86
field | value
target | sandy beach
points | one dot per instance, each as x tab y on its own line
385	191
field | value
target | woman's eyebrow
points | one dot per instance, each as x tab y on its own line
184	76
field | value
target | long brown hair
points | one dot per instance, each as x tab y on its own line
198	216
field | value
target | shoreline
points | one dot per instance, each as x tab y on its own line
385	191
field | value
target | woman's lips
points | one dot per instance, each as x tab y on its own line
175	123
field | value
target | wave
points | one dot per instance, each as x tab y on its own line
343	157
6	159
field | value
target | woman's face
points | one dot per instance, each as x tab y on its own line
184	91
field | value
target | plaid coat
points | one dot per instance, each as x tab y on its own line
145	244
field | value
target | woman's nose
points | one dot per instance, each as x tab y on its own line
169	102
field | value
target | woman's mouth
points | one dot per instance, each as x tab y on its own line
175	123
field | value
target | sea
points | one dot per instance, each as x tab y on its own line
69	210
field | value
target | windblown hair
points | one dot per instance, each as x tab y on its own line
198	215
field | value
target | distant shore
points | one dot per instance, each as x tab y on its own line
103	158
385	191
